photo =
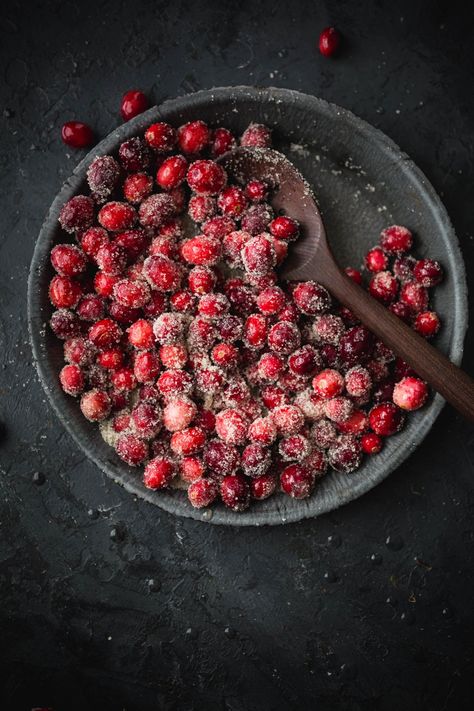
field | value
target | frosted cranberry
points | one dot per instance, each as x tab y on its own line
355	423
329	355
222	141
156	305
311	298
123	379
256	459
104	283
92	240
64	292
403	268
146	366
270	301
78	351
156	209
427	323
284	337
273	396
174	382
213	306
328	328
263	430
191	469
161	136
134	155
148	393
146	418
201	208
140	334
294	448
220	458
201	250
134	294
348	316
219	226
371	443
117	216
183	301
235	492
172	172
105	333
376	260
284	228
65	324
119	400
231	426
386	419
123	314
383	287
242	299
133	103
111	359
281	250
178	414
260	282
323	433
193	137
288	419
402	369
338	409
237	392
256	135
161	246
255	331
111	259
95	405
162	273
356	345
137	187
168	328
103	176
77	134
232	201
256	191
345	456
98	377
401	310
263	486
289	313
209	380
316	463
258	255
121	422
77	214
358	381
91	308
188	441
131	449
225	355
173	356
270	366
354	274
257	218
202	493
305	361
410	393
201	280
68	260
415	296
297	481
72	379
201	333
205	177
428	272
396	239
329	41
159	473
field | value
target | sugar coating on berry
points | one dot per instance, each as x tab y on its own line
178	414
410	393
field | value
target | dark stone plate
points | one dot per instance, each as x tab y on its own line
363	183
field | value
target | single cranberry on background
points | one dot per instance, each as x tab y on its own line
77	134
134	102
329	41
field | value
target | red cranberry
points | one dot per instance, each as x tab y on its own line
209	380
376	260
222	141
410	393
403	268
131	449
201	334
123	314
270	301
242	299
383	392
358	381
92	240
172	172
371	443
65	324
383	287
103	176
161	136
232	201
311	298
173	356
396	239
356	345
427	323
77	214
284	228
345	455
270	366
117	216
77	134
263	429
137	187
273	396
201	280
328	383
235	492
256	459
183	301
205	177
91	308
284	337
133	103
288	419
104	283
159	473
414	296
95	405
255	330
231	426
202	492
201	208
355	424
213	306
219	226
256	191
135	155
428	272
168	328
162	273
225	355
174	382
68	260
123	380
256	135
111	359
263	486
323	433
354	274
105	333
256	219
188	441
156	305
202	251
220	458
178	414
231	328
72	379
111	259
121	422
193	137
78	351
297	481
294	448
386	419
64	293
338	409
305	361
140	335
401	310
146	366
191	469
329	41
258	255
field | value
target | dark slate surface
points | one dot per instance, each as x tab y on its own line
110	603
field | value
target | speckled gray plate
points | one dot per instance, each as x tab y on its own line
363	182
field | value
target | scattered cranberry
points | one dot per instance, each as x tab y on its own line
376	260
329	41
232	201
427	323
256	191
396	239
77	134
133	103
206	177
428	272
354	274
284	228
415	296
384	287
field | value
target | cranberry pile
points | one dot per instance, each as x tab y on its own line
181	341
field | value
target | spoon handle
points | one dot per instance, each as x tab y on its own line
430	364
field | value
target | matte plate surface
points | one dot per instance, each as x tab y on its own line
363	182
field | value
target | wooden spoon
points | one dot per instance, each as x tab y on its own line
310	257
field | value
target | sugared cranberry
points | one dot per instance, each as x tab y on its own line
354	274
401	310
183	301
410	393
146	419
427	323
162	273
428	272
345	455
284	337
111	259
161	136
159	473
386	419
288	419
256	191
72	379
294	448
371	443
201	280
168	328
201	207
355	424
202	493
146	366
305	361
235	492
263	486
193	137
205	177
134	155
258	255
174	382
415	296
173	356
338	409
95	405
121	422
376	260
242	299
396	239
232	201
117	216
133	103
77	214
103	176
403	268
123	380
131	449
323	433
91	307
263	430
273	396
384	287
256	459
231	426
220	458
271	300
356	345
178	414
201	334
105	333
201	250
64	292
222	141
213	306
328	383
188	441
256	135
219	226
137	187
111	359
65	324
68	260
172	172
270	366
104	283
297	481
123	314
140	334
311	298
79	351
77	134
284	228
225	355
92	240
191	469
257	218
329	41
358	381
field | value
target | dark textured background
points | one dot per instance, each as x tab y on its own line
109	603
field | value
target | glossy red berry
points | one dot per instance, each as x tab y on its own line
193	137
202	493
297	481
396	239
133	103
235	492
161	136
427	323
428	272
77	134
172	172
385	419
410	393
329	41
